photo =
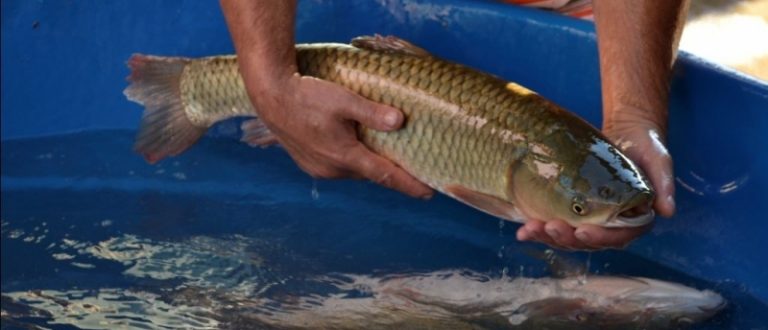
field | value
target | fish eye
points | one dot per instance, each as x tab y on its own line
578	207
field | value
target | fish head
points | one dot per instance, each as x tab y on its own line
622	302
588	182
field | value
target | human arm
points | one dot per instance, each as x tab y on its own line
314	120
637	41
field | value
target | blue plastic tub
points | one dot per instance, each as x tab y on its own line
69	176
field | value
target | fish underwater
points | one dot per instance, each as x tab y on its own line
489	143
240	282
464	299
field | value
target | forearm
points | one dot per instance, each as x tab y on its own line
263	34
637	41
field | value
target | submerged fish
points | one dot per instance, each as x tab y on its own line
462	299
489	143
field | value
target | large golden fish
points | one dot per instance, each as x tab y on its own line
489	143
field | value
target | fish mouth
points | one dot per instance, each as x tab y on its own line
637	213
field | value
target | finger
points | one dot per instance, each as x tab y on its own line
371	114
599	237
523	233
533	230
563	234
382	171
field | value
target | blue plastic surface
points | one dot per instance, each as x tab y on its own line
63	71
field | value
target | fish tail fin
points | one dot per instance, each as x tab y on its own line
165	128
255	133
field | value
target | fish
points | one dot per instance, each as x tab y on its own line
489	143
465	299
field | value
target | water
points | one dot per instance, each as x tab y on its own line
226	236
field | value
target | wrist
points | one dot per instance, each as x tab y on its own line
622	116
266	84
266	72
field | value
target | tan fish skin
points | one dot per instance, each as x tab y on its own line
489	143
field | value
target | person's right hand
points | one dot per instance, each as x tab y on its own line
316	121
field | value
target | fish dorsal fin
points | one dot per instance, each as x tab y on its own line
484	202
389	44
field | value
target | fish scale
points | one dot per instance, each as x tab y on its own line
443	159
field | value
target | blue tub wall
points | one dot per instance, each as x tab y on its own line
63	70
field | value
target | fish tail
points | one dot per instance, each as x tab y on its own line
165	128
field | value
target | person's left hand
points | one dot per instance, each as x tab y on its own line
641	137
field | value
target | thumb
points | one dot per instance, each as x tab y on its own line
660	167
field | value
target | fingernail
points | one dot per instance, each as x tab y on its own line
552	232
671	201
582	236
427	196
391	119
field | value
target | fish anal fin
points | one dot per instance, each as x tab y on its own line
389	44
484	202
255	133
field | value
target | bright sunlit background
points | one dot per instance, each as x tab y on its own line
729	32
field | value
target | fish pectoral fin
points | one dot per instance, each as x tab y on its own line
550	307
484	202
389	44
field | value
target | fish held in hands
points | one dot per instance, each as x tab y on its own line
489	143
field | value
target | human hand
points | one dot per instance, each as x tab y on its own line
636	41
586	237
315	121
641	138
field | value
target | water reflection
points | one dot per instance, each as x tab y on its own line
204	283
701	186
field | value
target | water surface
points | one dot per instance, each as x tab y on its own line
93	237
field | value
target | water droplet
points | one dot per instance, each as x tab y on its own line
315	194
